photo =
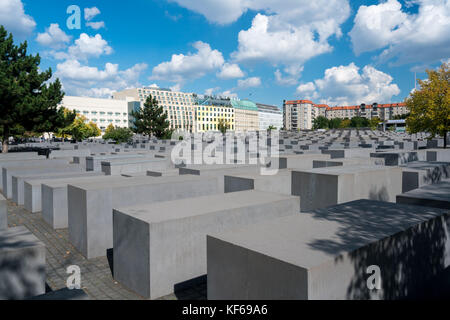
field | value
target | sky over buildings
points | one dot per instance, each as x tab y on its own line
330	51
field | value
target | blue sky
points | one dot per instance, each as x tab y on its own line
337	52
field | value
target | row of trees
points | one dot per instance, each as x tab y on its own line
322	122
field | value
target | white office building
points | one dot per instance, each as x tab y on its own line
102	112
269	116
179	106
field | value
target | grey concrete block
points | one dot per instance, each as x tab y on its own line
118	167
18	180
396	158
90	205
418	174
161	245
22	264
63	295
33	187
3	213
320	188
435	195
279	183
325	254
54	198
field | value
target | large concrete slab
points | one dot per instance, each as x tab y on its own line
18	181
421	173
130	166
435	195
3	213
33	187
279	183
298	161
54	199
90	205
23	167
159	246
396	158
22	264
323	187
326	254
18	161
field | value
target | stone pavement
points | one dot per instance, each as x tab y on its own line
96	275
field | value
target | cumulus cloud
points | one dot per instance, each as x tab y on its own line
346	85
286	33
210	91
84	80
53	37
229	94
87	46
249	82
14	18
405	38
230	71
90	13
191	66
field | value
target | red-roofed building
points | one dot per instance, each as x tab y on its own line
300	114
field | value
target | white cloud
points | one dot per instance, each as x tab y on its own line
230	71
249	82
14	18
286	33
87	46
153	85
229	94
79	79
405	38
96	25
191	66
346	85
210	91
90	13
176	87
289	80
53	37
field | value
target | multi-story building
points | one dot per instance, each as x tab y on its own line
179	106
211	110
245	115
102	112
269	116
300	114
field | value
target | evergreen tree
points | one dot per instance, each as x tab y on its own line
119	135
320	123
27	101
151	120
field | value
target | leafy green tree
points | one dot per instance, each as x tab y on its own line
346	123
119	135
430	105
374	122
335	123
271	128
151	120
223	125
66	120
359	122
80	130
320	122
28	102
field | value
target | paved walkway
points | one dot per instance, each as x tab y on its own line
96	276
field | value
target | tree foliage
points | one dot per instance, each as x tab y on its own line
223	125
151	120
80	130
320	122
28	101
430	105
374	122
119	135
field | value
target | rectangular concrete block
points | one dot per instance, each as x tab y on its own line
325	255
435	195
3	213
22	264
90	205
118	167
396	158
162	245
279	183
420	173
320	188
33	187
